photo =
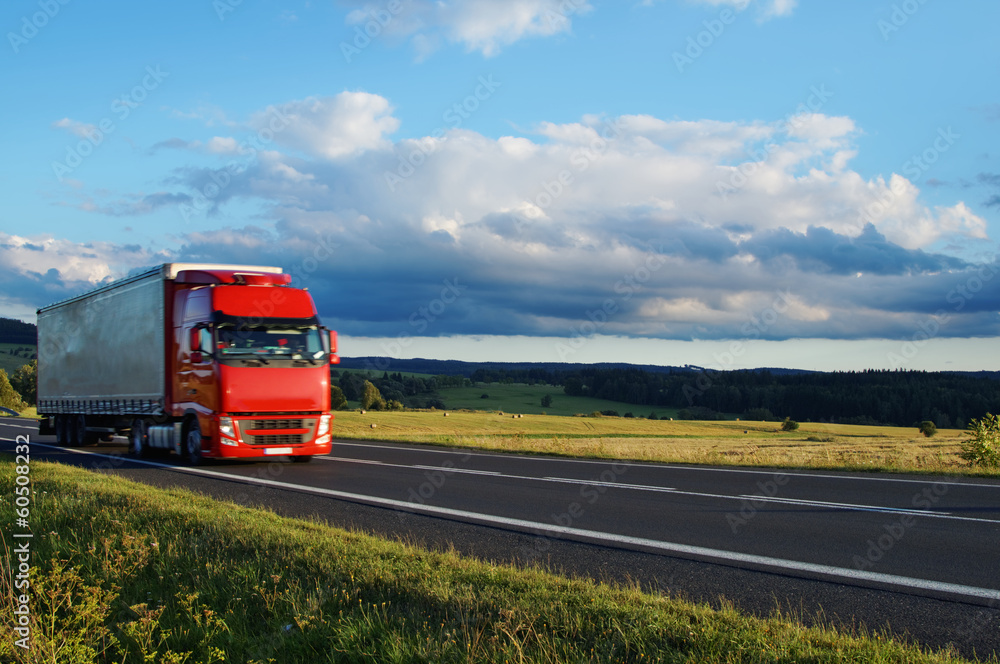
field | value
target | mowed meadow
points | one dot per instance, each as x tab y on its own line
728	442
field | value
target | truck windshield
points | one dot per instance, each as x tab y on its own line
270	342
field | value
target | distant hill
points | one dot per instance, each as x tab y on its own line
467	369
17	332
459	368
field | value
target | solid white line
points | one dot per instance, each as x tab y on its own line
791	472
669	547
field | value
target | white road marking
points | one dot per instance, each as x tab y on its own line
661	489
827	571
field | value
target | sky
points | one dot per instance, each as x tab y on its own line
723	183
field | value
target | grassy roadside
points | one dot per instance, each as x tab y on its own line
126	573
813	445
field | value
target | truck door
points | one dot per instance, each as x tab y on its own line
196	373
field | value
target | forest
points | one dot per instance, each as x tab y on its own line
900	398
17	332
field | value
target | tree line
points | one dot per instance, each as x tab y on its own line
898	398
17	332
390	391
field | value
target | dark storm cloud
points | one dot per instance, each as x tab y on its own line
822	250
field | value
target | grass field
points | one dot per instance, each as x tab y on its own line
124	572
813	445
521	398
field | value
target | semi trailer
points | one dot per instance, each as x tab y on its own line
207	361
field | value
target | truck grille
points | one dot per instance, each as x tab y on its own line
273	424
280	439
284	431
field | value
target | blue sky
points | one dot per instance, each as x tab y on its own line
725	183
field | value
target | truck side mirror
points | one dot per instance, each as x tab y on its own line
334	358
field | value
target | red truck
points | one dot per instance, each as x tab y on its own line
205	360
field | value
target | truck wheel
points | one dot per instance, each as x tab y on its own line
84	437
301	459
138	439
192	444
74	430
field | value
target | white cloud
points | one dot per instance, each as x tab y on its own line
78	129
479	25
767	8
549	226
330	127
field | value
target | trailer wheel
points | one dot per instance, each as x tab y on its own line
192	443
138	439
74	430
79	433
62	437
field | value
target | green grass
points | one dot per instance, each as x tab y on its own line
122	572
11	363
522	398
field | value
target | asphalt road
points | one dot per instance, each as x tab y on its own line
917	555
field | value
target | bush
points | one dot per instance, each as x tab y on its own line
982	448
371	398
337	399
25	382
698	413
759	414
9	398
927	428
789	424
546	401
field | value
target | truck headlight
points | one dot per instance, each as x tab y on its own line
324	425
226	427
